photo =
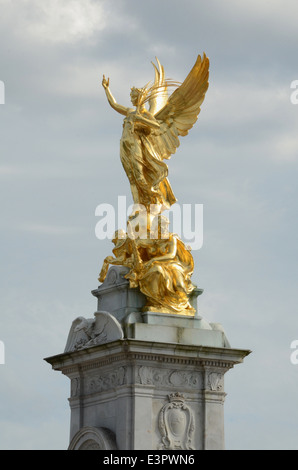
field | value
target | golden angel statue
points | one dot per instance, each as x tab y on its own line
160	266
151	136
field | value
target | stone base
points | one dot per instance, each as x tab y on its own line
147	394
115	295
145	380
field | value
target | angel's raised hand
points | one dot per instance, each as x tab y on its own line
105	82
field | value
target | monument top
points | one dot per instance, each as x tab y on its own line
159	263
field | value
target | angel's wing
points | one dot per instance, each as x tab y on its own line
159	91
182	109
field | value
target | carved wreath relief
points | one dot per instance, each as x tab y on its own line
176	424
106	381
168	377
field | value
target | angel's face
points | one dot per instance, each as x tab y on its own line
134	96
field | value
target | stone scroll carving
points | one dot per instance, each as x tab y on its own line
106	381
87	332
169	377
214	382
176	424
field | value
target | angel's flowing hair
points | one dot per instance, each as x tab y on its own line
150	93
141	92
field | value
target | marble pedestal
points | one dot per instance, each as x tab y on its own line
143	380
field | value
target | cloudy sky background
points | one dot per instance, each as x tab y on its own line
59	159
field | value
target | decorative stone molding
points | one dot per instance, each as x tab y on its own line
176	424
75	387
215	381
106	381
169	377
106	360
92	438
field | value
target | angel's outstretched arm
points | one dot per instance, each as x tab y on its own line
118	107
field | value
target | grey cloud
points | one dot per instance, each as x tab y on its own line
60	159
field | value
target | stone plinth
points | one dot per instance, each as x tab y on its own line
142	380
148	394
116	297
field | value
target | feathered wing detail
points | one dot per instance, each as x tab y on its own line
159	91
181	111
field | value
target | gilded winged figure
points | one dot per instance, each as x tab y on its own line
151	135
160	266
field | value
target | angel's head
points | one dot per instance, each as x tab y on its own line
138	95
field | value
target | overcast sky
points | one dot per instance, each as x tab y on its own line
59	159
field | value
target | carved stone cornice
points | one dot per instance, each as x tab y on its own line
132	351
